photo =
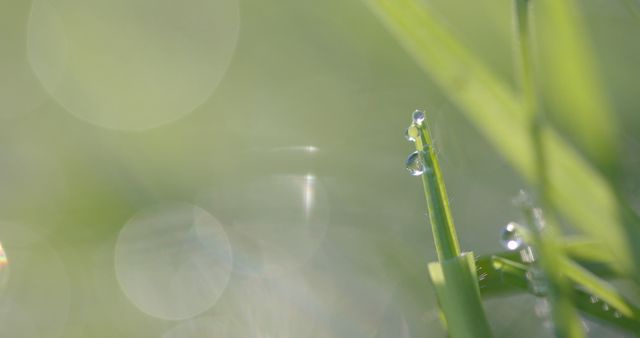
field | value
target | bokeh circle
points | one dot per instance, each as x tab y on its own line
131	65
173	260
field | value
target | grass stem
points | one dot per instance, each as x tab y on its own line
440	216
566	318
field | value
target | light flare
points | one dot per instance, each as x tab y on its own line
308	193
4	261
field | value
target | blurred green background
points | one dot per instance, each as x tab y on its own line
223	168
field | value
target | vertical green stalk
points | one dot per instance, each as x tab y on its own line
454	276
440	217
566	318
567	323
528	89
523	39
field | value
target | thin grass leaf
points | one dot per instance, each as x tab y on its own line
571	80
455	282
435	193
558	288
511	277
545	234
597	287
454	276
598	310
495	282
586	251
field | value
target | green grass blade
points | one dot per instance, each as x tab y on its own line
596	309
494	281
545	234
575	188
524	56
571	81
454	276
596	287
435	193
586	251
499	275
545	241
509	276
455	282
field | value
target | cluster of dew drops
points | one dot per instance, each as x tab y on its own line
414	164
511	238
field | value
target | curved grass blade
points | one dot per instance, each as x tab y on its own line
506	276
491	268
597	287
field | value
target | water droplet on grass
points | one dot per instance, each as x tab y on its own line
411	133
408	136
538	218
593	299
537	281
523	199
542	309
528	255
418	117
510	236
414	164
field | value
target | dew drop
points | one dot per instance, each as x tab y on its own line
617	314
414	164
537	281
593	299
542	309
539	218
547	324
497	265
585	325
408	136
523	199
605	306
510	236
411	133
528	255
418	117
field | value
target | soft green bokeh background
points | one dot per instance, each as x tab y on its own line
210	102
